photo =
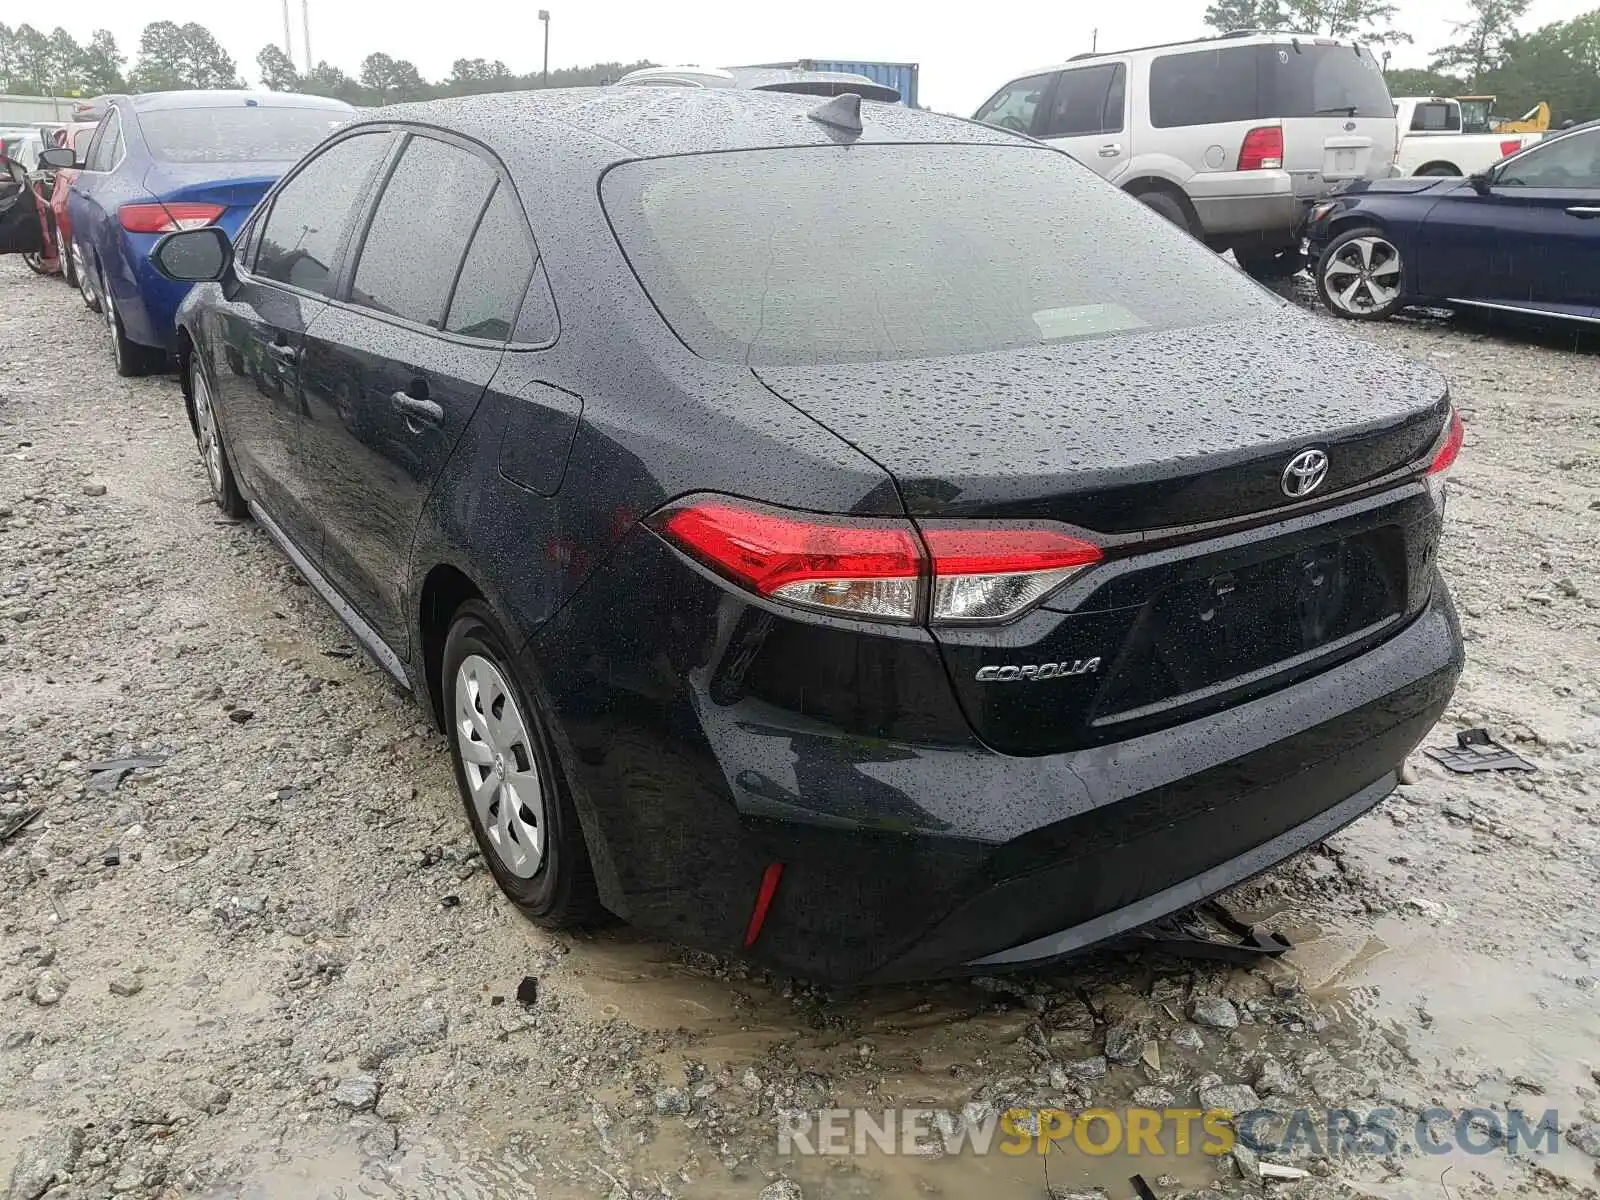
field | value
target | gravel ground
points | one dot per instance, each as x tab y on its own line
268	962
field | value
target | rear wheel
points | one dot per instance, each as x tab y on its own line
1169	206
1361	276
516	798
86	287
69	265
1442	169
130	357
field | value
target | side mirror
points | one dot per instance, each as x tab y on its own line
194	255
1481	182
59	156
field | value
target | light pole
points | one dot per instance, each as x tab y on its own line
544	15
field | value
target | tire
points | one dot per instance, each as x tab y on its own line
1271	265
131	358
35	263
213	450
86	287
69	272
541	864
1169	206
1439	170
1361	276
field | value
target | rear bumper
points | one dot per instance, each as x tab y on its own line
1245	202
911	856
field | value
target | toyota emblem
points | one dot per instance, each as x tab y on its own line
1304	474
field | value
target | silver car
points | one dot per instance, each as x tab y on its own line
1232	138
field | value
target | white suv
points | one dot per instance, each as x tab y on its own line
1233	138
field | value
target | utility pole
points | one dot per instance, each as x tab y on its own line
288	47
544	15
305	28
1094	39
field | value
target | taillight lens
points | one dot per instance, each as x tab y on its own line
878	568
1509	146
1262	149
167	218
859	567
989	573
1445	452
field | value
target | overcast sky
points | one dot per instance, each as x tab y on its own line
965	50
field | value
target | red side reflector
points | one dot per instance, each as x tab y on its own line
1262	149
758	915
1450	447
166	218
1509	146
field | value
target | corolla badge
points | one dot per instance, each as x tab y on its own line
1034	672
1304	474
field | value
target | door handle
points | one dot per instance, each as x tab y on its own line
1110	150
417	408
283	352
1584	212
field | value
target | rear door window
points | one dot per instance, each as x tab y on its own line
1014	106
106	138
1436	118
1087	100
1206	87
495	273
418	237
301	236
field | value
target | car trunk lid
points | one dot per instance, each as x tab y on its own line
1170	449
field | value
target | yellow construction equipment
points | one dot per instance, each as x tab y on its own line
1477	116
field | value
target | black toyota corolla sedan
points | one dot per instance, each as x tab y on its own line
837	534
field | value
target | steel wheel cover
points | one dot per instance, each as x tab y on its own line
1363	275
502	772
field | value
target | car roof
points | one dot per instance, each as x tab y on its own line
153	101
649	122
1243	37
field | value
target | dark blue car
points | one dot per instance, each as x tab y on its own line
175	160
1523	237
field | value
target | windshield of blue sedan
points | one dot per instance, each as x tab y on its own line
877	252
238	133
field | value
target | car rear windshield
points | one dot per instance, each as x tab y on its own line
242	133
1253	83
865	253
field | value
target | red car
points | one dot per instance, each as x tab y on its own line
77	136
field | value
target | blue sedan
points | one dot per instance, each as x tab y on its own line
1523	237
175	160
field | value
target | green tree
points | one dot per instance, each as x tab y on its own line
1227	16
1480	40
325	79
32	61
66	63
1558	63
1367	20
188	56
389	79
100	69
1414	82
277	70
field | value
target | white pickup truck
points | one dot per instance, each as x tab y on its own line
1431	141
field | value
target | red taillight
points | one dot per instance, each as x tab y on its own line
876	567
1262	149
988	573
865	567
1509	146
1449	445
167	218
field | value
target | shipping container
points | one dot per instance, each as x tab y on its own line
900	76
